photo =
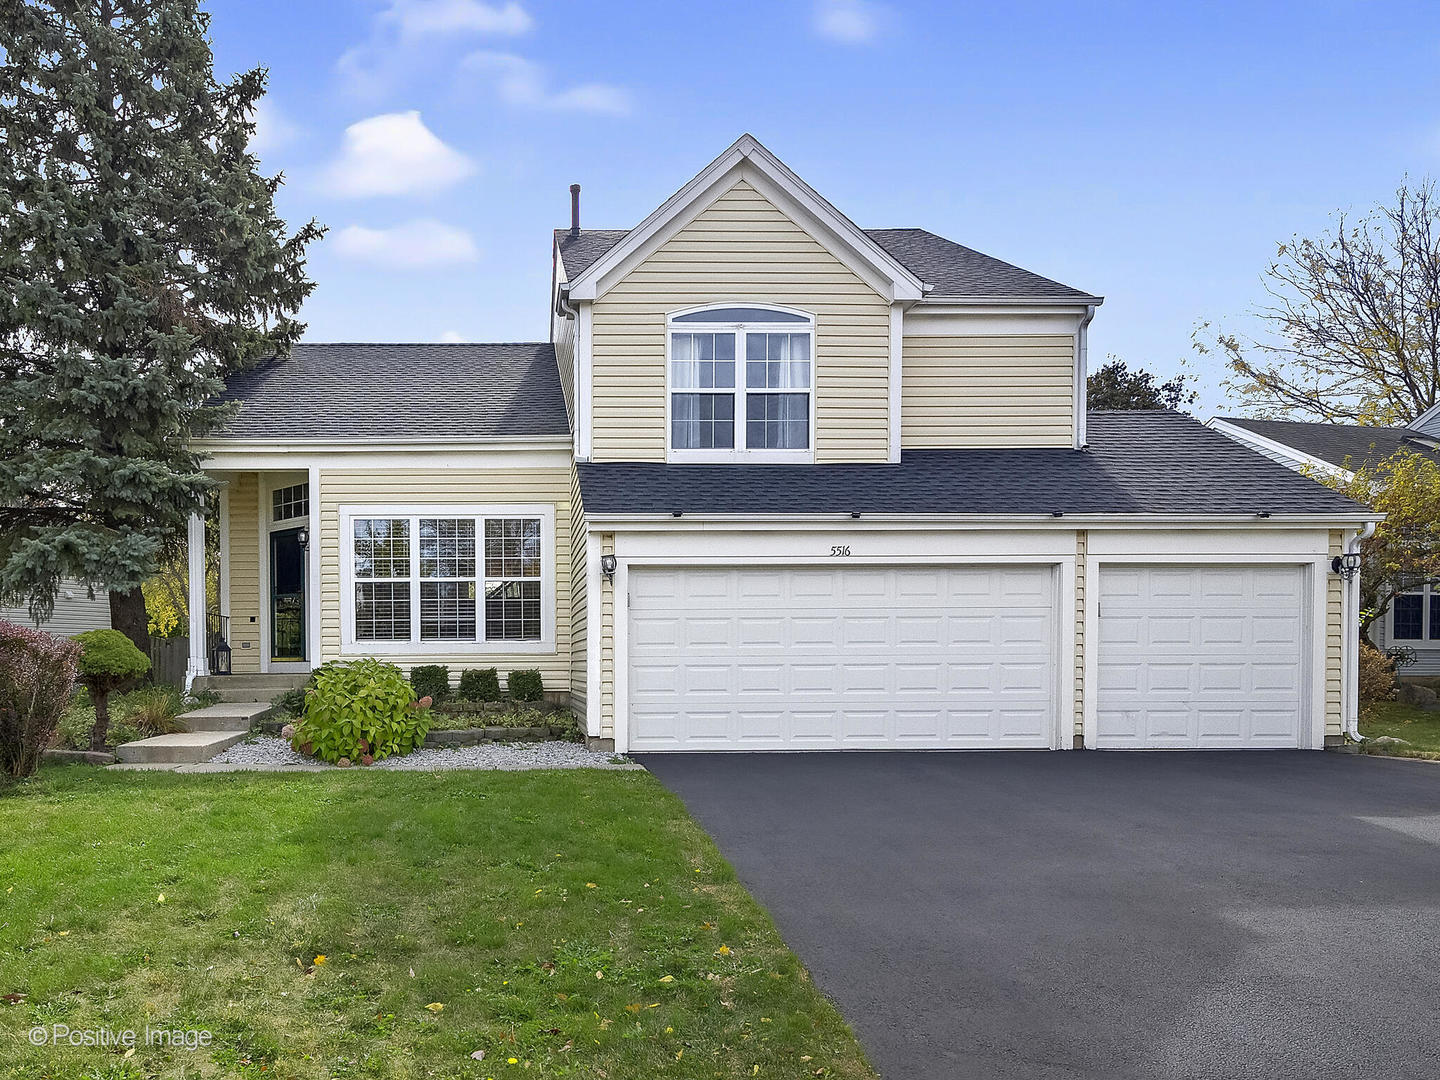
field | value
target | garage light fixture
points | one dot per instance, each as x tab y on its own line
607	566
1347	565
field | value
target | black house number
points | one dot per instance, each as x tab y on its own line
839	550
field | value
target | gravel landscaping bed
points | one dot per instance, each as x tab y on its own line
272	750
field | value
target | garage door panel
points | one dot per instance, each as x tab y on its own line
1209	657
914	657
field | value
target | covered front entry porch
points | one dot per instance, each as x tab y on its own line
263	617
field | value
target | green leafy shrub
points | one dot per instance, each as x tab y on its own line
479	684
109	661
291	702
362	710
525	684
37	671
153	710
79	721
432	681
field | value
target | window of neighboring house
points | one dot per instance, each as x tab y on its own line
428	579
741	383
1415	616
290	502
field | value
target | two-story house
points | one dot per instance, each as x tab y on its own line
778	482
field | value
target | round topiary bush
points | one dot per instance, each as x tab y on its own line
360	709
109	662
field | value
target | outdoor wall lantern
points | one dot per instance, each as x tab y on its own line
607	566
1347	566
303	538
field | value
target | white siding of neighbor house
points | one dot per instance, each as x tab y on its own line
579	588
742	248
75	611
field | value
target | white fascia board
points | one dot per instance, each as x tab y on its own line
280	447
978	521
748	158
379	459
1301	459
1041	304
1423	422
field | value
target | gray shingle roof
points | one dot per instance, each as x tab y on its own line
1158	462
953	269
400	391
1339	443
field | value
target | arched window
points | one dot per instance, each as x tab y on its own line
741	383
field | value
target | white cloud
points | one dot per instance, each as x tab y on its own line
851	22
525	83
403	38
453	337
395	154
412	246
273	129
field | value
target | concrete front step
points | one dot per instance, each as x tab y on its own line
185	748
260	686
227	716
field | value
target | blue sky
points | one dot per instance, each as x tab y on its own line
1153	153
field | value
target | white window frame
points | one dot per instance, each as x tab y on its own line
1429	595
739	452
350	647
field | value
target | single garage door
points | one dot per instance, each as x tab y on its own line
1201	657
844	658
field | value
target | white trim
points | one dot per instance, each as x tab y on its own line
1420	422
897	366
438	458
584	382
622	656
1162	522
349	646
739	453
1037	302
1312	734
312	574
199	661
594	603
746	157
1255	442
1080	402
367	443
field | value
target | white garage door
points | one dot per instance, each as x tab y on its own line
1201	657
854	658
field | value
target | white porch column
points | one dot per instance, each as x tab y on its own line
195	548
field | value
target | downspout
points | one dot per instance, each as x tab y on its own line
1351	616
1082	374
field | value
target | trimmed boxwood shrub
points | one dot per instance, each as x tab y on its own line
479	684
432	681
360	711
525	684
109	662
37	671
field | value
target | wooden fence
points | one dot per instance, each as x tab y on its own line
168	659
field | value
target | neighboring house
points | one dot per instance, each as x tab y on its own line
75	611
777	482
1413	619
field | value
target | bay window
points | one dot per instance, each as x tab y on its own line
435	579
741	384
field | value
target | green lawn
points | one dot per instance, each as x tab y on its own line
1416	726
564	923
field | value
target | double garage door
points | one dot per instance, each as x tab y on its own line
928	657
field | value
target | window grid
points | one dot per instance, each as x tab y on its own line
768	409
290	502
1415	616
427	591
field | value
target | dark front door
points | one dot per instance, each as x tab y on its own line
287	596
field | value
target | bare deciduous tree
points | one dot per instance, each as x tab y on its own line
1354	322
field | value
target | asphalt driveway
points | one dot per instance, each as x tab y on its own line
1183	915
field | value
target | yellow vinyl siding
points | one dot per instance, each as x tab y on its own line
578	595
1334	644
607	645
1082	540
245	606
742	248
1011	390
417	485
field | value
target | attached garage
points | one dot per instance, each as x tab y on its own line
859	657
1203	657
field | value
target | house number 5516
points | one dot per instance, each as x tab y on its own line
839	549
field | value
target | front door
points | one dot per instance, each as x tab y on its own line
287	595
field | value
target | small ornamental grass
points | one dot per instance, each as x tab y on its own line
361	711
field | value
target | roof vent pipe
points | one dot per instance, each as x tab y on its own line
574	209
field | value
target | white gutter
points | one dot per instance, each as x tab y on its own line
1082	371
1350	615
1060	520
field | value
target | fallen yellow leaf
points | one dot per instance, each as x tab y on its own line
435	1007
590	884
599	974
679	1053
667	978
513	1061
160	899
723	950
320	959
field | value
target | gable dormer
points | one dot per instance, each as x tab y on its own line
747	320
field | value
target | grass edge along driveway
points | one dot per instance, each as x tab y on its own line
372	924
